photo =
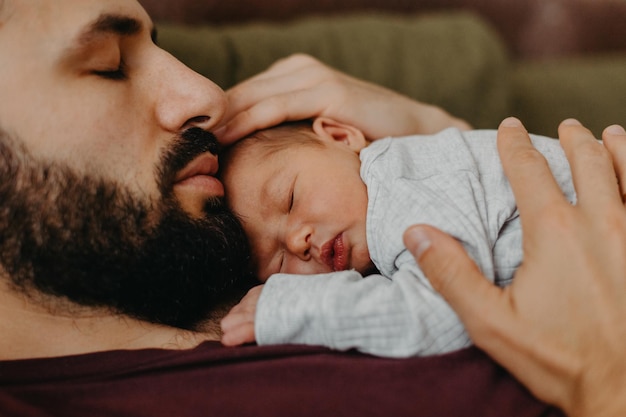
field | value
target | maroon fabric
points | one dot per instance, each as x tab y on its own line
262	382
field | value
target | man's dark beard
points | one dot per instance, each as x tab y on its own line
96	244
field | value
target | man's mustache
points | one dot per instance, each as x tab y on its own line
189	145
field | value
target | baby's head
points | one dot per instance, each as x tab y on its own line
298	193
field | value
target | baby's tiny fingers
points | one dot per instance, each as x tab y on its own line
239	335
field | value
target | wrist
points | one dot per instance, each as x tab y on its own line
431	119
601	397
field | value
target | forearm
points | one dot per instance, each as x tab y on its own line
430	119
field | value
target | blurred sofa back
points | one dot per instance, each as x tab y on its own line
540	60
530	28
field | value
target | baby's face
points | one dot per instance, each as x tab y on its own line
303	208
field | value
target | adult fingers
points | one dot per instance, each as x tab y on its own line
292	105
289	64
294	74
614	138
488	312
531	180
249	92
455	276
590	162
284	66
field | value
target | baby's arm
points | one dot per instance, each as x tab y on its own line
398	318
282	299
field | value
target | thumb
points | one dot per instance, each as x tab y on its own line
453	274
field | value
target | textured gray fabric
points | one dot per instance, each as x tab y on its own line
452	180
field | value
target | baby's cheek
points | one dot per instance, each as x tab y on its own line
363	263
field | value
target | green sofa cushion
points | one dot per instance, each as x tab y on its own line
593	90
453	60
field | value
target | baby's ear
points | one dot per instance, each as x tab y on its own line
329	129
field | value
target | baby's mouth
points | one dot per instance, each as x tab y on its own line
334	253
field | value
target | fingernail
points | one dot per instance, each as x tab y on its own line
511	122
571	122
615	130
419	240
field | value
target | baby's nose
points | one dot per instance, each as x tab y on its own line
299	242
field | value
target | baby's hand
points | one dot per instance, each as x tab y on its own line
238	325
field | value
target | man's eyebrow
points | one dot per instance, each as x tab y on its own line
111	24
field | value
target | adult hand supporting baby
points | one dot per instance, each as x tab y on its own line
560	328
300	87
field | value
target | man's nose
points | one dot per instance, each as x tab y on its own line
186	99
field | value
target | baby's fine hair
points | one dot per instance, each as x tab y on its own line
271	141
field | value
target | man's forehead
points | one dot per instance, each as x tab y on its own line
81	11
68	24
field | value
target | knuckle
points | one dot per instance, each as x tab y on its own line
487	329
594	150
234	95
442	275
613	225
528	156
275	112
306	58
245	117
255	290
557	220
300	58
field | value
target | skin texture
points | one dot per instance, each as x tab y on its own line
560	326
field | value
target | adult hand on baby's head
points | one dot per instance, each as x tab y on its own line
238	324
560	328
300	87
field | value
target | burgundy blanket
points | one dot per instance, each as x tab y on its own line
256	381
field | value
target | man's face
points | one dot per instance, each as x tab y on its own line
303	208
107	170
82	82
